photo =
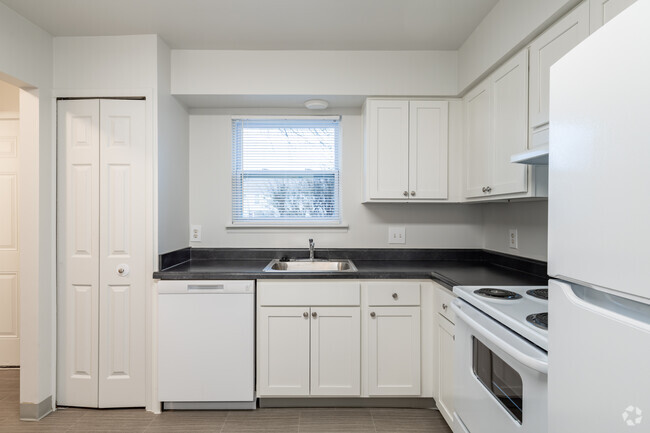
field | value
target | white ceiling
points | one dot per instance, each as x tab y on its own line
267	24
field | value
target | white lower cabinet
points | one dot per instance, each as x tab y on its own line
394	351
335	351
283	336
309	350
346	338
444	354
445	350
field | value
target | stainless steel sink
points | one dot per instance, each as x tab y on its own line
317	265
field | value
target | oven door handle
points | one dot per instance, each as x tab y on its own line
527	360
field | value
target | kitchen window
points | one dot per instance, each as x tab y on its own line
286	171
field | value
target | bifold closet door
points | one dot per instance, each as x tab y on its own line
100	253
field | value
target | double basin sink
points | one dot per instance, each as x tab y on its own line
307	265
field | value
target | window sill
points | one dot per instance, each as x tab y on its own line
343	227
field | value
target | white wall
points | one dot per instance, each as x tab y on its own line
8	98
529	218
507	28
384	73
105	62
427	225
26	61
173	161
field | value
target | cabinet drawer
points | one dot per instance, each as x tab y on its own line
443	304
386	294
309	292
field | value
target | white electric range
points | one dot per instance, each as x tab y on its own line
501	359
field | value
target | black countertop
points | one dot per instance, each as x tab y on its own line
449	268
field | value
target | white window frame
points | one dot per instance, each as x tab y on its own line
295	223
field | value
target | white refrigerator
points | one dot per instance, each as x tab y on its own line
599	231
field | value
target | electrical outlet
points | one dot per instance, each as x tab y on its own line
396	235
512	239
195	234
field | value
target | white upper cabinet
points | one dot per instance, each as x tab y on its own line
406	145
387	148
496	128
509	125
548	48
428	129
478	140
601	11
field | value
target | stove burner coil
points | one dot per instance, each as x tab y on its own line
540	320
538	293
497	293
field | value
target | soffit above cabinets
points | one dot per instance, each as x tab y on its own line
267	25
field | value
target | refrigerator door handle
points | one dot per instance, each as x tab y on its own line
627	311
527	360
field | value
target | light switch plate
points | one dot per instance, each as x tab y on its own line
512	239
195	233
396	235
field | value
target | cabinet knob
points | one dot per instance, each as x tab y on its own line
488	189
372	314
314	315
395	296
444	307
406	193
413	193
483	189
305	314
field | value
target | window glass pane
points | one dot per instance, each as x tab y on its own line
286	171
503	382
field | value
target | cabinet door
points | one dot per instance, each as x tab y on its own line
283	367
509	125
545	51
428	149
601	11
387	150
336	351
445	372
394	351
478	140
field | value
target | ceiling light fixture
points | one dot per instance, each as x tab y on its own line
316	104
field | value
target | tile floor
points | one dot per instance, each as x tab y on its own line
261	420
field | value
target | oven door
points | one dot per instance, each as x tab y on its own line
500	380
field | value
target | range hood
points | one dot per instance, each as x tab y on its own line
536	156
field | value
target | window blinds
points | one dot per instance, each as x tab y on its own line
286	171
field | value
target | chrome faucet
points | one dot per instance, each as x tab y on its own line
311	250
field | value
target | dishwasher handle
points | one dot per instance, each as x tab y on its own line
201	287
205	287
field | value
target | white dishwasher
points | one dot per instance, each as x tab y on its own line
206	343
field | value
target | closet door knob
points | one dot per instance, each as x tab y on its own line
122	270
372	314
395	296
406	193
305	314
314	315
413	193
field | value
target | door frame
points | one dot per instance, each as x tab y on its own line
151	227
